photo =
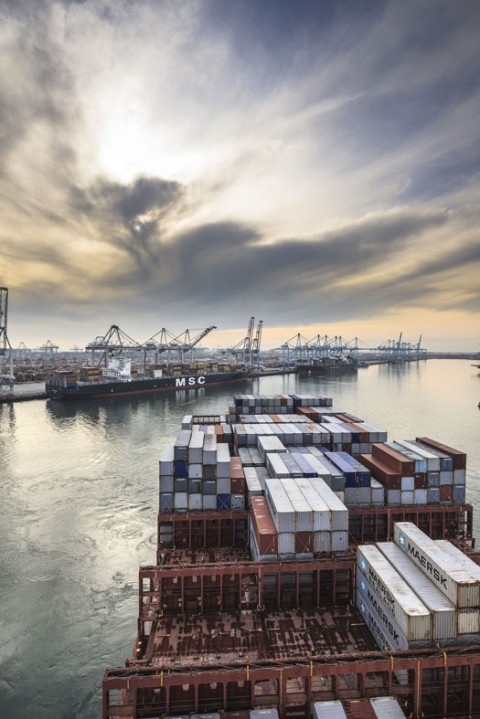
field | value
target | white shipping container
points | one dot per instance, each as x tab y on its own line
444	614
210	449
180	501
339	541
223	485
166	460
280	505
339	512
270	444
459	583
401	602
195	448
322	542
469	621
223	460
209	501
195	502
384	638
301	506
387	708
329	710
321	512
276	466
195	471
286	543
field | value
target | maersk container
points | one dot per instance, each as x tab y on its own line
444	613
384	638
304	465
401	602
460	584
329	710
386	708
387	623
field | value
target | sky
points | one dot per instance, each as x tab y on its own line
180	164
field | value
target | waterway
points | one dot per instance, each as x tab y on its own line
79	496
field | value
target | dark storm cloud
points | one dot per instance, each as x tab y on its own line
129	215
230	265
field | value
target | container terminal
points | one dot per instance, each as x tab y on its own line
306	566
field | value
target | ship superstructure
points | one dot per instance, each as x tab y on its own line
278	583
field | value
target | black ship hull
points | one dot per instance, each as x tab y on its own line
86	390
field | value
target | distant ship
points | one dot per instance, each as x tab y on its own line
329	365
118	379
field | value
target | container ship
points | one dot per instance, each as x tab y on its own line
119	378
306	566
331	365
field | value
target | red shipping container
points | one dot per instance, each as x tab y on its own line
303	542
446	492
393	459
381	472
421	480
263	526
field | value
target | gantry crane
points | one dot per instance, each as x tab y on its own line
244	347
6	353
185	343
257	343
113	341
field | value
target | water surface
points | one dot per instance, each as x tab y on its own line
79	496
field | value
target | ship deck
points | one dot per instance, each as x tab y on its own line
230	638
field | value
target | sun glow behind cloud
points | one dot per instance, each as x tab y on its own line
306	164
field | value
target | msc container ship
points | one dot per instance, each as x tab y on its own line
307	566
119	379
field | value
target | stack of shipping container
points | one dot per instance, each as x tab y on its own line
417	591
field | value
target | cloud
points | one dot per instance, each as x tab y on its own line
304	161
